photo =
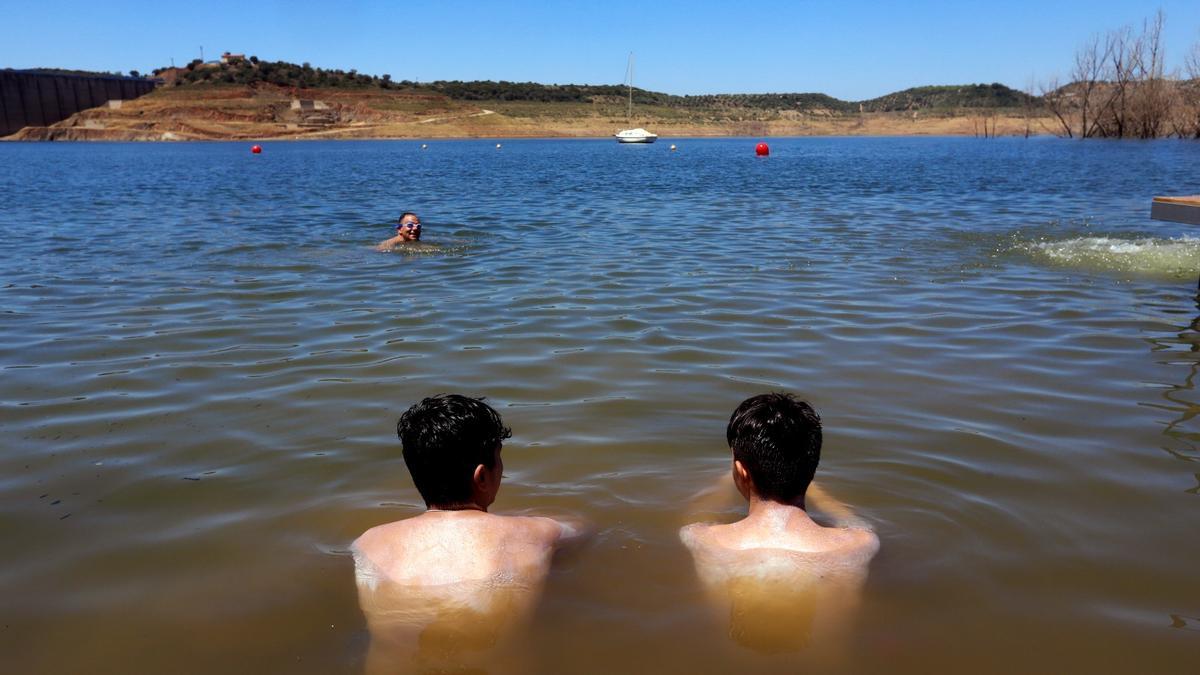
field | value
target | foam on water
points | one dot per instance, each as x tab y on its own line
1145	256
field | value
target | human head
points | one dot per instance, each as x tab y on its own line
449	441
777	438
409	226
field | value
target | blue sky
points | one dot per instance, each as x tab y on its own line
851	50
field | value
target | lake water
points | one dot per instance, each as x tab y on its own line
202	360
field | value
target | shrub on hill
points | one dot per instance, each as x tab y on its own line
486	90
993	95
802	102
281	73
944	97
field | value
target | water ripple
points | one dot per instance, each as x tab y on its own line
198	403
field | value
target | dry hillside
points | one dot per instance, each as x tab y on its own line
266	111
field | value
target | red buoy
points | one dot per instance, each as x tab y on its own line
762	150
256	149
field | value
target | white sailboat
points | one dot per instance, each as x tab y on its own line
638	135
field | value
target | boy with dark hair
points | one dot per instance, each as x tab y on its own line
448	443
448	584
778	560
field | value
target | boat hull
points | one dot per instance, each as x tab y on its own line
638	135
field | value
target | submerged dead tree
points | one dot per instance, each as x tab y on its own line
1185	106
984	124
1119	88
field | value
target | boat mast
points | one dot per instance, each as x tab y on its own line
629	112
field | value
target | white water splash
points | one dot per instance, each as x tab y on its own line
1149	256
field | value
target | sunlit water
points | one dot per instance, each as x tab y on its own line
202	360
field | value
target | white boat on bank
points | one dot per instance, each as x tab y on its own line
638	135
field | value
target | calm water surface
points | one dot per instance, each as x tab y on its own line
202	360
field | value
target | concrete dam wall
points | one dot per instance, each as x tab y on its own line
39	100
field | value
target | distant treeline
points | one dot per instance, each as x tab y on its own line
252	70
69	71
486	90
802	102
919	98
993	95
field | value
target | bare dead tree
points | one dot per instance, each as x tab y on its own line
1178	117
1120	88
1117	80
1086	78
1150	98
1185	97
1059	102
984	122
1027	107
1190	93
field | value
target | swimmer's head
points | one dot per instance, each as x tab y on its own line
777	439
409	226
451	445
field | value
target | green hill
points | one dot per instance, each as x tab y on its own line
284	74
993	95
802	102
280	73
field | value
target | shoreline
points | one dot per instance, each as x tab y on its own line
308	139
250	114
146	138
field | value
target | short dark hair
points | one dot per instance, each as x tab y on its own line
443	438
777	437
406	213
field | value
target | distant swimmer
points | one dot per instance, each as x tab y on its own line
443	591
408	230
787	582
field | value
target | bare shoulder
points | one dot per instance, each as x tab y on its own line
370	540
378	531
696	535
380	535
858	542
374	551
543	530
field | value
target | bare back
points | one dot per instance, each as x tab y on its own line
444	547
444	589
787	583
